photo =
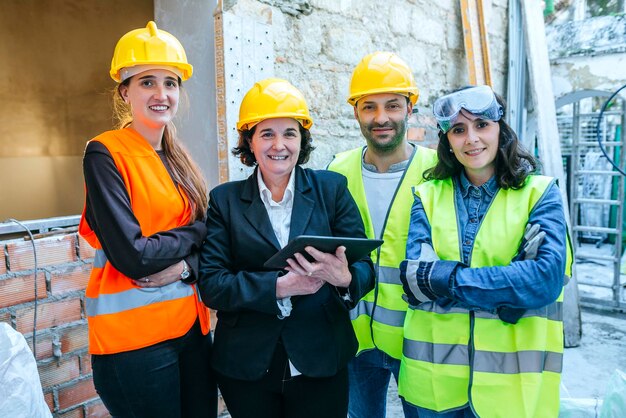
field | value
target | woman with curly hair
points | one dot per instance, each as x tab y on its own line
284	338
487	259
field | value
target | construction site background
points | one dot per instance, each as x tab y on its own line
315	44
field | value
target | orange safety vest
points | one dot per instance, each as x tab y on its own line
121	315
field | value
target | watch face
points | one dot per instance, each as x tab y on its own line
184	274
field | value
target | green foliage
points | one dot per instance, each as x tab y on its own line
604	7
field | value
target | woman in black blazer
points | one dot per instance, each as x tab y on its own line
283	337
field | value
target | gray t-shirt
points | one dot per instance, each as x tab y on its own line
379	191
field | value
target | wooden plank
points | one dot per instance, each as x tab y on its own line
476	42
548	143
220	90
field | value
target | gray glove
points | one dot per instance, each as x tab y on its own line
414	272
533	238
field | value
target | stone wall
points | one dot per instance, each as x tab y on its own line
317	43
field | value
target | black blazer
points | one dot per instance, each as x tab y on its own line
318	336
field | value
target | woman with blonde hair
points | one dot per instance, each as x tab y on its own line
144	211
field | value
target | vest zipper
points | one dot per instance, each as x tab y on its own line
471	351
382	234
471	348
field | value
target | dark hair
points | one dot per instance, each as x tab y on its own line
243	151
185	171
512	164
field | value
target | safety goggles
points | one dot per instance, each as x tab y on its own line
479	101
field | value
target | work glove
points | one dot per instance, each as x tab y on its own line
533	238
414	275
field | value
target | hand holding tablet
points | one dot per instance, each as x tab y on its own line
356	248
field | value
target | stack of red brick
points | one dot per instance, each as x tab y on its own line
64	263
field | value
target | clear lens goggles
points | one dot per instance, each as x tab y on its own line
479	101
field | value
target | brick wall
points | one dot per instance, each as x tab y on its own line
64	262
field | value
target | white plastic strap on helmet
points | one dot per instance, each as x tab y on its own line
127	72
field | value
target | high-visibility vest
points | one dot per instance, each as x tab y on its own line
121	315
452	356
379	316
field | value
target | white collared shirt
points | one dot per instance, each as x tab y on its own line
280	218
278	212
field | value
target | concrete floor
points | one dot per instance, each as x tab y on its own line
587	368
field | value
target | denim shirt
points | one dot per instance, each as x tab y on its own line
526	284
476	201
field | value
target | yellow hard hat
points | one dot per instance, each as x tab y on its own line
382	72
273	98
150	47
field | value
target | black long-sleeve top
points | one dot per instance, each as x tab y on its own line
109	213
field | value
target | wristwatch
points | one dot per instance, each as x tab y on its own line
184	275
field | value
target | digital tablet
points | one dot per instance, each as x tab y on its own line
356	248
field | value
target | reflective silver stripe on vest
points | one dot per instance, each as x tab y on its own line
435	308
389	275
436	353
100	259
553	312
361	308
135	298
382	315
518	362
484	361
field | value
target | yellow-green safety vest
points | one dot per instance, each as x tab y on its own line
378	318
452	356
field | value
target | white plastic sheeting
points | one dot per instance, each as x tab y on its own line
612	406
21	395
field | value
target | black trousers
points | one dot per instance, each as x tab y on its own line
171	379
278	395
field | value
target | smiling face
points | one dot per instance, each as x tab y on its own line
474	142
383	120
276	146
153	97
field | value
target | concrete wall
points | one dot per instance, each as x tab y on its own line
191	21
588	54
55	59
317	43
